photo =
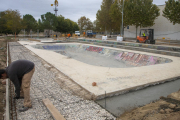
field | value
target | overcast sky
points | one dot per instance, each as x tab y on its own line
72	9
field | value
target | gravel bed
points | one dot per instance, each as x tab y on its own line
43	86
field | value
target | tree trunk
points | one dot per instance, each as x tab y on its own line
136	31
123	31
110	31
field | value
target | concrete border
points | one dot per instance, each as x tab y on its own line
7	91
122	79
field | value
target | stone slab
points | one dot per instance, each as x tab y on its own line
54	112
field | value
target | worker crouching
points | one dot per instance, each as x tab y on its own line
20	73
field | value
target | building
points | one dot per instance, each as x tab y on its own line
163	29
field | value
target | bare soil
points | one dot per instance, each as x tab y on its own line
3	44
166	108
3	59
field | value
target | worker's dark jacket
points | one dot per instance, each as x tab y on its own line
16	71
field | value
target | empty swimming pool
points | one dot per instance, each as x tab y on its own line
104	57
116	71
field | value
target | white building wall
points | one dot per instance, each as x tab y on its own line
163	29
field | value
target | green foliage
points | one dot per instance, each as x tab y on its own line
75	26
3	27
172	11
10	21
141	13
116	15
61	24
49	21
103	15
85	23
29	22
40	26
13	19
66	25
96	27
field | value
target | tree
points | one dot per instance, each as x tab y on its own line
2	22
49	21
29	22
141	13
172	11
66	25
40	26
75	26
103	15
60	24
95	26
116	15
13	20
85	23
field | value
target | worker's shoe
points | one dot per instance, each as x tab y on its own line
24	109
18	97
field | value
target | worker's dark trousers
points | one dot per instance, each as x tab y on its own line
25	88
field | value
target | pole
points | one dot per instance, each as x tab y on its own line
105	99
24	33
80	29
55	10
122	19
31	33
37	33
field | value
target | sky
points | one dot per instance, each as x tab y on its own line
71	9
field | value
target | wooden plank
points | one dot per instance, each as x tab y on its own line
31	39
54	112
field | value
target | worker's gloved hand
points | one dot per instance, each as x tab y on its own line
16	96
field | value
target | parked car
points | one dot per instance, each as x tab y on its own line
77	33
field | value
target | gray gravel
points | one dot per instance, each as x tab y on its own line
43	86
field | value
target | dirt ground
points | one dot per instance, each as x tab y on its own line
2	65
166	108
3	59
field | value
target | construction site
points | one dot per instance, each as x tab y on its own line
89	78
94	74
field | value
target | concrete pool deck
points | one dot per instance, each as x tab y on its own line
113	81
44	85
